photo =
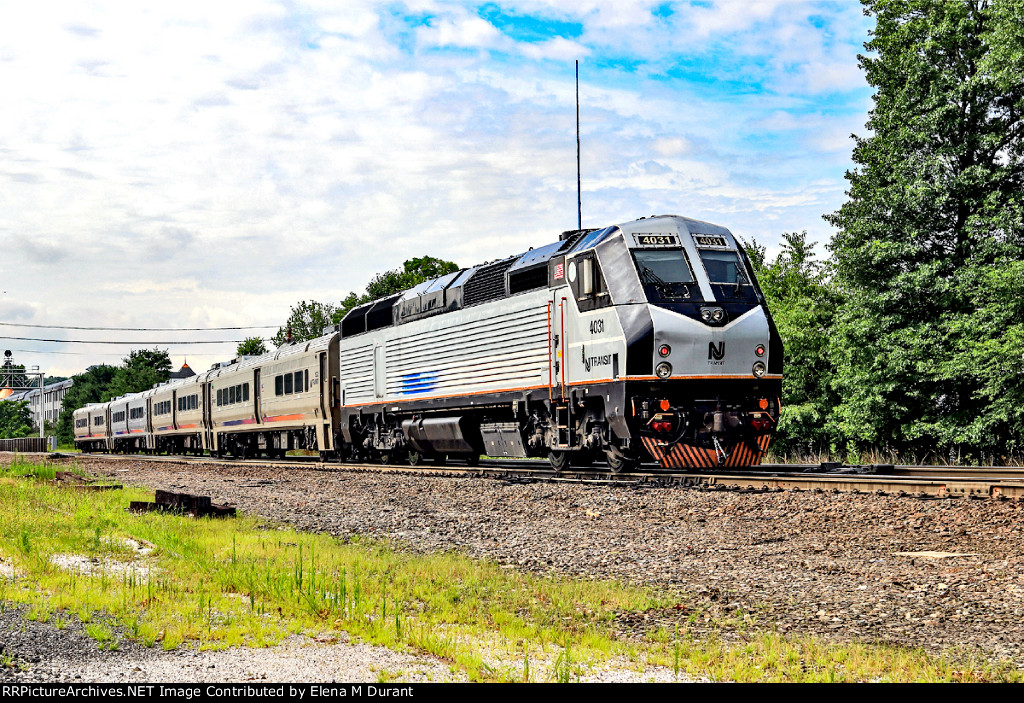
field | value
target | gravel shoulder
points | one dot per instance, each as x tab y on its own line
945	575
40	652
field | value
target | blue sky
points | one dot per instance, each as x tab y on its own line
203	164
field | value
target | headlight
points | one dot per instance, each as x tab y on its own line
759	369
712	316
664	370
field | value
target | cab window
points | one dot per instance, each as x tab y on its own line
587	282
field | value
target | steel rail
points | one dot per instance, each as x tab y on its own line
901	480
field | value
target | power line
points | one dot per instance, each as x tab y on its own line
135	343
141	329
66	353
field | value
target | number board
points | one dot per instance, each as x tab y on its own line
709	240
650	239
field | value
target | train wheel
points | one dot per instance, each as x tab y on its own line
559	460
440	459
415	458
619	462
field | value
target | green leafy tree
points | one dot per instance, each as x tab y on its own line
252	346
15	419
140	370
930	242
803	303
307	320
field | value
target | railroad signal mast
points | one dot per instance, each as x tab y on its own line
15	378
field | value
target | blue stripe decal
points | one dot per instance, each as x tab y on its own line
414	383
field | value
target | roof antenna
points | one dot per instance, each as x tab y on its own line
579	192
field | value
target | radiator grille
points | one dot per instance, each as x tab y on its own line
488	283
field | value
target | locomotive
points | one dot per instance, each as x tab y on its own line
647	340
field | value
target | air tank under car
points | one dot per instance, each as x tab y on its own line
648	340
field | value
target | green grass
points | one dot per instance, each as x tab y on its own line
214	584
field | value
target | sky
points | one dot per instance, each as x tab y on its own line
206	165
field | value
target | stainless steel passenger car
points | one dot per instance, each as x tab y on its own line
177	416
91	427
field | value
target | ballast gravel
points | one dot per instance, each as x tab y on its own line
946	575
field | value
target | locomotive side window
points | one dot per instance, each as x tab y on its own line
298	381
288	384
245	392
279	385
587	282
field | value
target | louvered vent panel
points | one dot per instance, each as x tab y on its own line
528	279
488	283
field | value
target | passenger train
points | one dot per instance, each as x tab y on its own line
648	340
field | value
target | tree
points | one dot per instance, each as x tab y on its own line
252	346
140	370
307	320
15	419
803	303
930	242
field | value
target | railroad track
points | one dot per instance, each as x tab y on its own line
994	482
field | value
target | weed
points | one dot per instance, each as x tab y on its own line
99	632
562	671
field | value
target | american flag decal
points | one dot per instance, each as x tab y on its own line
559	270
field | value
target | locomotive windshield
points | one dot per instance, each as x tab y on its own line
728	276
665	273
724	267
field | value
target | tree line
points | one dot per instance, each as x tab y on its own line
910	336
